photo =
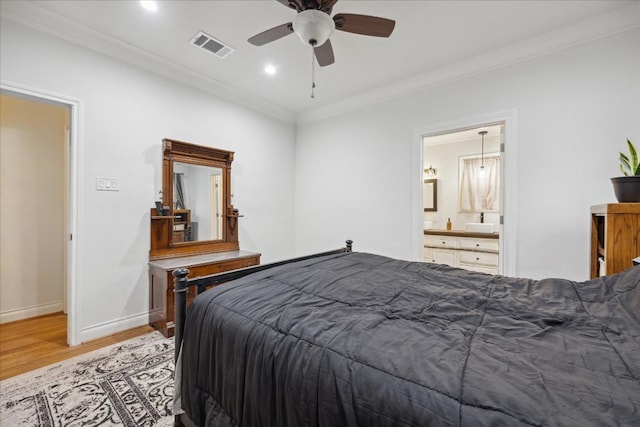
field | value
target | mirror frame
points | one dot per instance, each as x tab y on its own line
434	192
162	245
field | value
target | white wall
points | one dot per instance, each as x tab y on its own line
32	196
125	114
575	109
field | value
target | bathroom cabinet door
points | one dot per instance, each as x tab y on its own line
427	254
444	256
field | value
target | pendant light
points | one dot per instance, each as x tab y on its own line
482	133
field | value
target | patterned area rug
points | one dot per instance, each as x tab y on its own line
125	384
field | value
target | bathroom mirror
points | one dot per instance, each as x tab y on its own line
196	187
430	195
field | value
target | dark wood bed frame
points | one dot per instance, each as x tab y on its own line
182	283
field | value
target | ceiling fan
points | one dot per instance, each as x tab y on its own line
314	25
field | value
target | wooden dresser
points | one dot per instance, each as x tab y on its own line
615	237
161	307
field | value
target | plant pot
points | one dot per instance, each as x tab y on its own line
627	188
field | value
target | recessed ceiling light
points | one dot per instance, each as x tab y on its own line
270	69
149	5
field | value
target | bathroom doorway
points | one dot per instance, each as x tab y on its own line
467	162
466	167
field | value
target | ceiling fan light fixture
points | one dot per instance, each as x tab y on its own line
314	27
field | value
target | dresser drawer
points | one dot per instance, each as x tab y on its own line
440	242
483	245
477	258
205	270
161	304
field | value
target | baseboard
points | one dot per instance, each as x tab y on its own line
33	311
114	326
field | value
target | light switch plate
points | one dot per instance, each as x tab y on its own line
107	184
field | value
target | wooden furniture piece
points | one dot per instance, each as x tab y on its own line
161	313
203	197
166	240
468	250
615	237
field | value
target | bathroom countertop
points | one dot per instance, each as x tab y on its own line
461	233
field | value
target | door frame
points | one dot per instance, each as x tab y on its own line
508	248
72	173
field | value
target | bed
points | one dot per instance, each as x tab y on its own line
357	339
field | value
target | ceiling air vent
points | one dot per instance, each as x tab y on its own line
208	43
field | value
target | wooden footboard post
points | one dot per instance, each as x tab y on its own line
180	304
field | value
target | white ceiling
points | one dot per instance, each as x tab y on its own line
432	41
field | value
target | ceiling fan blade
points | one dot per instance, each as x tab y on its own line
324	54
272	34
364	24
327	5
293	4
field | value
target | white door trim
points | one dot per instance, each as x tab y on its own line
75	118
508	255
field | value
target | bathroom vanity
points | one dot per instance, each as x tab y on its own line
475	251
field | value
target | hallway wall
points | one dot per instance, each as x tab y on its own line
33	200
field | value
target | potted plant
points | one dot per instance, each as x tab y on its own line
627	187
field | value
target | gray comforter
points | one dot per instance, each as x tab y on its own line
363	340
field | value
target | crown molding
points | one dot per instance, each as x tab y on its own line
42	20
617	21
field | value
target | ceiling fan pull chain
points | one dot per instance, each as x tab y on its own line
313	74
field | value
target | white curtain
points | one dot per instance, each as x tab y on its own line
480	192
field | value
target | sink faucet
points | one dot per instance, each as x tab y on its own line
481	217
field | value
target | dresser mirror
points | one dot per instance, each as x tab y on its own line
197	202
196	188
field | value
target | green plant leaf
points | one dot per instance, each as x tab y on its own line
635	165
630	166
625	165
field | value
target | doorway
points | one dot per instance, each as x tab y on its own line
442	153
465	166
39	134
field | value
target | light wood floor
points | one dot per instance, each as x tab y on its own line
33	343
